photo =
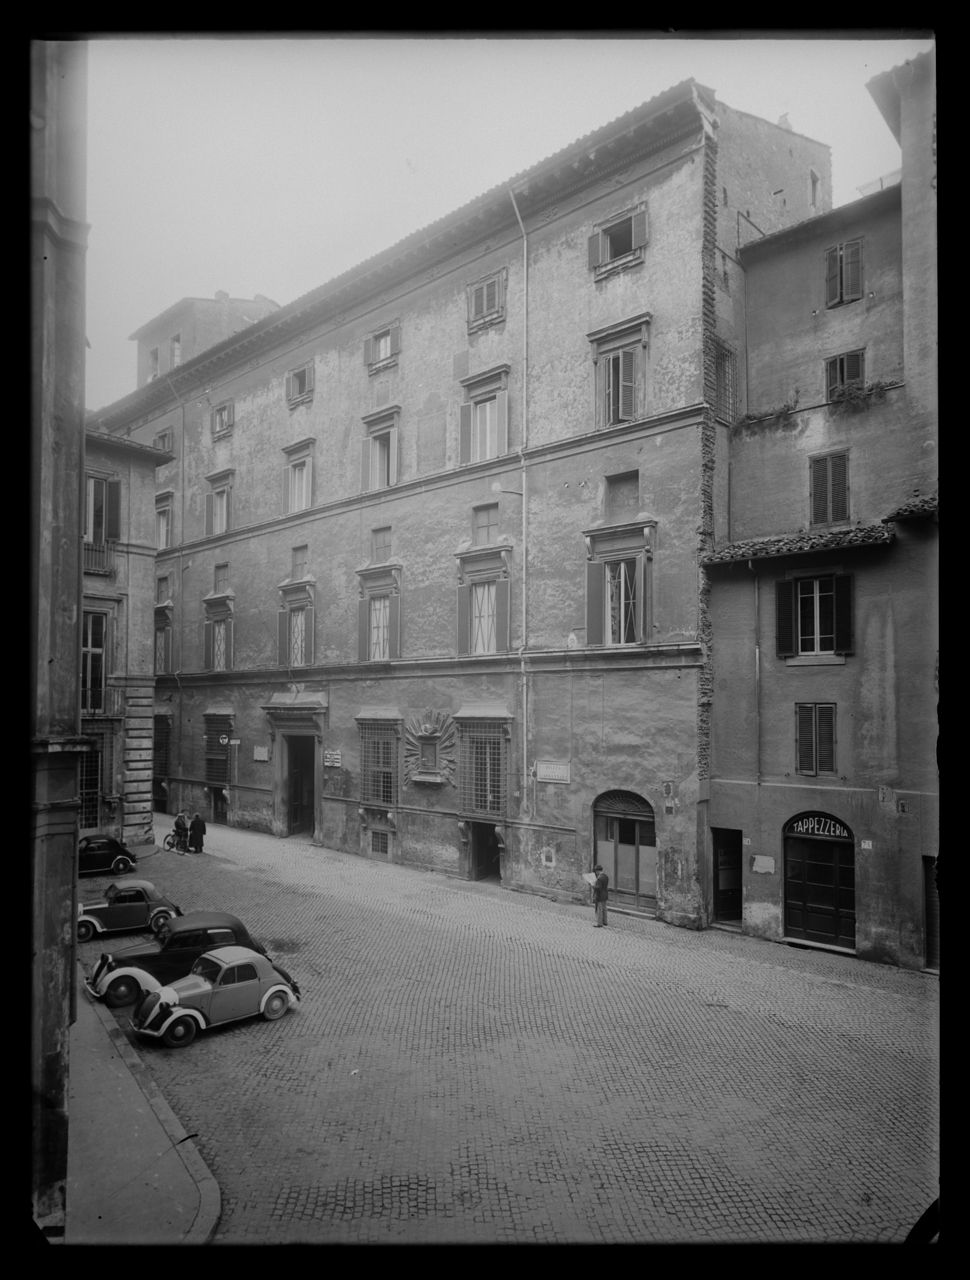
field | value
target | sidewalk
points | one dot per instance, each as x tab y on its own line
133	1175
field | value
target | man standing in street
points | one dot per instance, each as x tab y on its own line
601	893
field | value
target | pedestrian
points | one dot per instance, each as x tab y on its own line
196	832
601	893
181	833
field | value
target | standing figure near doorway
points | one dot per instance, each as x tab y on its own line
196	833
601	893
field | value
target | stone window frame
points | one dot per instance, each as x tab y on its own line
598	244
222	419
381	580
300	453
382	424
392	331
219	482
479	388
633	335
608	544
491	563
301	375
488	316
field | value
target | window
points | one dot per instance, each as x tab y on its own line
223	419
296	635
485	526
153	364
220	576
829	488
381	544
815	737
815	189
618	242
379	643
379	450
161	746
381	349
379	613
379	753
163	649
163	527
298	475
94	633
298	562
102	511
844	370
813	616
218	731
379	842
843	273
162	590
299	384
484	417
218	510
482	764
619	360
163	441
176	351
218	643
483	617
484	596
486	302
618	585
726	406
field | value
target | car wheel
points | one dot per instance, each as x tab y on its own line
120	866
275	1006
121	992
85	931
182	1031
159	921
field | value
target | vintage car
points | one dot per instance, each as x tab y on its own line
224	985
125	974
125	909
104	853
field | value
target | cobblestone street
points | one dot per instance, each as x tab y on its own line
473	1065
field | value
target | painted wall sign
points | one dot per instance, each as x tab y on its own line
260	753
760	862
552	770
331	759
818	824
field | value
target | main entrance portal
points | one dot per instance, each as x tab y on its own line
820	880
299	783
626	846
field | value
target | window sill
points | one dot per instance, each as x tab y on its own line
486	322
221	435
624	263
304	399
381	365
817	660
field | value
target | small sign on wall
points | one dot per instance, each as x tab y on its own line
759	862
331	759
552	771
260	753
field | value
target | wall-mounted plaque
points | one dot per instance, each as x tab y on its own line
552	770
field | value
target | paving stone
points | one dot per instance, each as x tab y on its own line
471	1065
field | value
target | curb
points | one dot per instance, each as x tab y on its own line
210	1198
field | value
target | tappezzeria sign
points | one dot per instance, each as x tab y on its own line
817	824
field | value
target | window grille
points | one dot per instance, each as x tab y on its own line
90	789
298	637
482	758
378	763
378	842
161	745
216	751
483	617
160	649
379	629
219	645
621	602
727	383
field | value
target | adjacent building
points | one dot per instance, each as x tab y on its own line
190	326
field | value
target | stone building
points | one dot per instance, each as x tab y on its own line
118	637
824	788
427	584
190	326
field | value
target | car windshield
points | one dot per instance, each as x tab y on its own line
208	969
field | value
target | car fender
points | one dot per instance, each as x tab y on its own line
145	980
280	986
179	1011
98	926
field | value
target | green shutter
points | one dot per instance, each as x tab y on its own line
825	737
465	435
283	636
365	464
593	251
308	636
368	352
112	524
785	619
208	515
464	619
502	592
595	587
309	376
394	627
502	422
229	644
831	276
855	367
392	447
395	339
639	228
289	388
228	509
804	738
628	374
839	486
820	490
207	646
844	637
363	630
491	296
851	270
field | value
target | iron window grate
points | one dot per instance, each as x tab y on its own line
162	746
216	751
379	782
378	842
727	383
482	757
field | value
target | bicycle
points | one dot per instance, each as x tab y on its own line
172	841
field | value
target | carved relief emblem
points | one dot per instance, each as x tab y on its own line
430	749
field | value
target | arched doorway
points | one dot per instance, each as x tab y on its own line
820	880
625	843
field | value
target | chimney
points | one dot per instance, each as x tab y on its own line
783	122
221	297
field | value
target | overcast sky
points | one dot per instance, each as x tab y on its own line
271	165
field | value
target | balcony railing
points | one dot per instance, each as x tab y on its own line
98	557
106	701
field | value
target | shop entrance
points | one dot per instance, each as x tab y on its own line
486	859
626	846
727	875
820	880
299	751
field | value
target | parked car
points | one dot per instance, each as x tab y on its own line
224	985
104	853
123	976
125	909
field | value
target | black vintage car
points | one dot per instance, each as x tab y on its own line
123	976
104	853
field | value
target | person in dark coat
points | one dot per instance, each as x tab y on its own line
196	832
181	833
601	893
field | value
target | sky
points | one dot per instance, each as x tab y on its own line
261	165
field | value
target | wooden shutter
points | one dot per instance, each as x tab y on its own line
595	601
167	650
851	270
465	435
491	296
643	598
825	737
804	737
502	611
308	482
464	619
831	276
309	376
283	636
308	636
207	646
368	352
392	447
831	376
785	619
839	486
820	490
593	251
844	637
112	520
639	228
229	644
502	421
855	366
363	630
365	467
208	515
230	414
628	390
395	339
476	303
289	386
394	627
228	508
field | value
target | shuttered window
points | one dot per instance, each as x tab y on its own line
223	418
843	273
486	301
299	384
814	616
483	429
102	513
618	240
617	601
163	650
217	644
217	751
218	511
829	495
378	460
382	348
483	616
295	636
814	737
845	369
621	386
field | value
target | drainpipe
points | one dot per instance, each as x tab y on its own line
757	666
181	554
525	497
